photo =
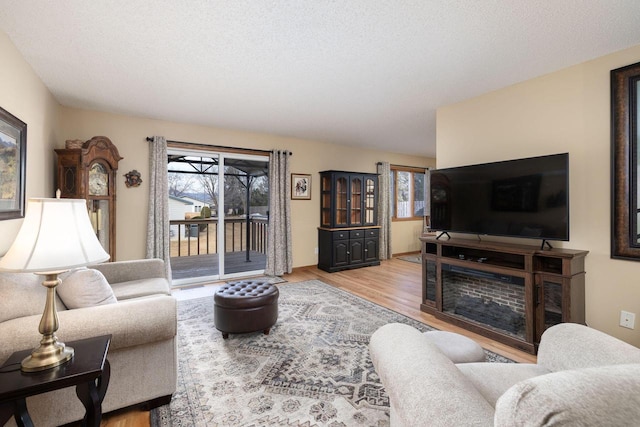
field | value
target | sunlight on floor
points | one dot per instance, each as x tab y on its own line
183	294
209	288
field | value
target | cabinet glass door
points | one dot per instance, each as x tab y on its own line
100	221
325	202
341	201
429	281
549	303
356	201
552	302
370	201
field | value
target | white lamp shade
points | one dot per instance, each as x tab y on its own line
56	235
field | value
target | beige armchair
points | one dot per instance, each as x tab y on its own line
582	377
143	325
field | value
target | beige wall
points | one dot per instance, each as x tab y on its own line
24	95
129	133
567	111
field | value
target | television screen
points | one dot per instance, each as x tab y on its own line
517	198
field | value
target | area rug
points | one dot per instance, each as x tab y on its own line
313	369
271	279
412	258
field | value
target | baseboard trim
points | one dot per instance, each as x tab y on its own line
406	253
307	267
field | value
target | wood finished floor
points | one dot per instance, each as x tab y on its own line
395	284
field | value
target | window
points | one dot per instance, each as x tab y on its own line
408	188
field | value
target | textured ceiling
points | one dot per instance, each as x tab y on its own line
358	72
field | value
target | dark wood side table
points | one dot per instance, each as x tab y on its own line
89	371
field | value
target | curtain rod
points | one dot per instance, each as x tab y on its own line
406	166
150	138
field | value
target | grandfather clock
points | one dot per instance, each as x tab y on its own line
88	171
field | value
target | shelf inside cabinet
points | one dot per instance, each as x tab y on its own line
481	256
548	264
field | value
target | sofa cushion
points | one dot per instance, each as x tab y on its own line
141	288
458	348
603	396
22	294
123	271
131	323
493	379
85	287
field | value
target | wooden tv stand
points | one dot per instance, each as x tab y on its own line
509	293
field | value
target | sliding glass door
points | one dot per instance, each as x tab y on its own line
246	207
218	204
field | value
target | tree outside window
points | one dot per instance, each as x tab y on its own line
408	188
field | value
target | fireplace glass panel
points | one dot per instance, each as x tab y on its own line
430	266
494	302
552	303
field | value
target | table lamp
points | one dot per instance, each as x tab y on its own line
56	236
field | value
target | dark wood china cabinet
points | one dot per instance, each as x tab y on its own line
348	236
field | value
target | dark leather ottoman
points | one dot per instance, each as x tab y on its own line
245	306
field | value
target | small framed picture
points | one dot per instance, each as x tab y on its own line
300	186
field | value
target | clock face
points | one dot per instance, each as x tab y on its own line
98	180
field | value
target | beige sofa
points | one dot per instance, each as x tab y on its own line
143	325
582	377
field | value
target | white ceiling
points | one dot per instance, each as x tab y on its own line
358	72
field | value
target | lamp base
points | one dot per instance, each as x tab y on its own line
50	354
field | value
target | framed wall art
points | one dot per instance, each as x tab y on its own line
300	186
13	164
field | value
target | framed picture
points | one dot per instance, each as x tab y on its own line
13	163
300	186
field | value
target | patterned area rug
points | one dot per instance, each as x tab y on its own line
313	369
271	279
412	258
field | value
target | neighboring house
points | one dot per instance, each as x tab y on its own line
181	208
197	202
177	209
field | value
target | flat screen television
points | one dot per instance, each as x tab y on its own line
517	198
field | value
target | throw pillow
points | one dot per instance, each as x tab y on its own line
85	287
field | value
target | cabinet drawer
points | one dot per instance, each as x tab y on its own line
340	235
356	234
371	232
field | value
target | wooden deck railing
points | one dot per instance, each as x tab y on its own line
200	236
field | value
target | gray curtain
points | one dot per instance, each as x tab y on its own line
158	217
279	256
384	208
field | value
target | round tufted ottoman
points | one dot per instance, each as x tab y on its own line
245	306
456	347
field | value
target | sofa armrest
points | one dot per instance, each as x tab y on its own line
422	383
604	396
131	323
125	271
574	346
